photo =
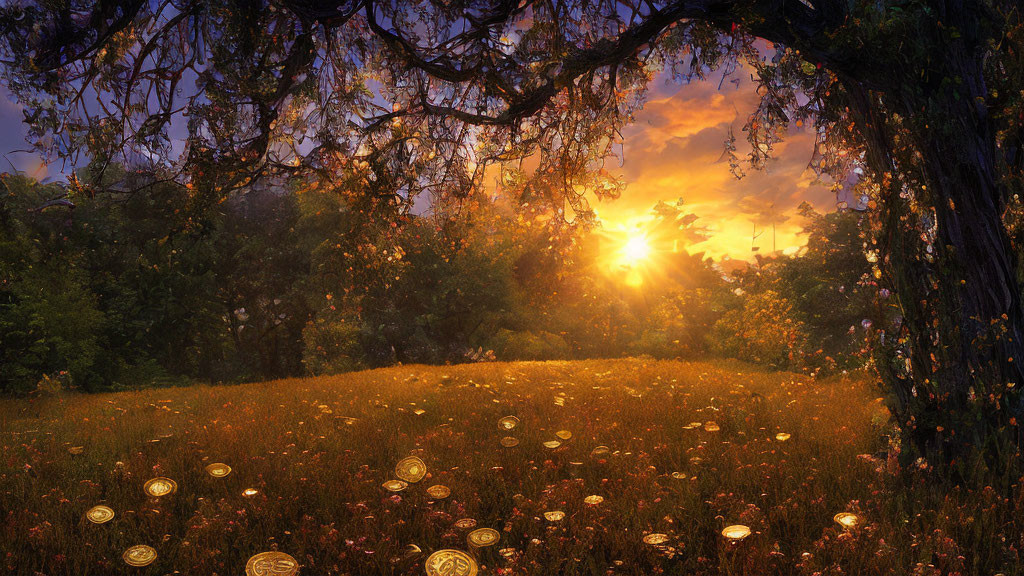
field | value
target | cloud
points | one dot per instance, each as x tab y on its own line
672	151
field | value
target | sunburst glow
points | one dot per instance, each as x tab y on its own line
637	248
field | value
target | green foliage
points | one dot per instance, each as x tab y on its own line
116	289
763	330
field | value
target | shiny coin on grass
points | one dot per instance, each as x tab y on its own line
679	476
160	486
140	555
439	491
736	532
100	514
656	539
411	469
218	470
76	450
450	563
554	515
465	523
271	564
508	422
594	500
552	444
250	492
395	485
711	427
482	537
782	436
564	434
846	519
509	442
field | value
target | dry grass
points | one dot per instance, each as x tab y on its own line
319	475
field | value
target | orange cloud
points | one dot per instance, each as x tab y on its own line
673	149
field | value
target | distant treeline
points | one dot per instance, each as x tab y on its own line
115	288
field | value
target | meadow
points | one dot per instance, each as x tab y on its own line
675	450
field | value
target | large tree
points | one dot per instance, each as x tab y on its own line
391	100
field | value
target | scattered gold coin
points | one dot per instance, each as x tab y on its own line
439	491
554	515
483	537
218	469
656	539
509	442
508	422
450	563
847	519
271	564
395	485
160	486
564	434
139	555
411	469
736	532
100	514
465	523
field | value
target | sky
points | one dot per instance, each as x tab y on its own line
671	152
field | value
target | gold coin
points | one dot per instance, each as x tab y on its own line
439	491
679	475
160	486
465	523
552	444
736	532
600	451
655	539
250	492
564	434
395	485
450	563
76	450
140	555
509	442
594	500
846	519
100	514
412	550
271	564
782	436
218	470
508	422
711	427
411	469
483	537
554	515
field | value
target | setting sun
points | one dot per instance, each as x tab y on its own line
637	248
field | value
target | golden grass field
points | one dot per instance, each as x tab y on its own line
318	451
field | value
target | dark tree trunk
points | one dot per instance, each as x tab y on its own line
953	267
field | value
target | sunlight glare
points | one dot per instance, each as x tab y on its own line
636	249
